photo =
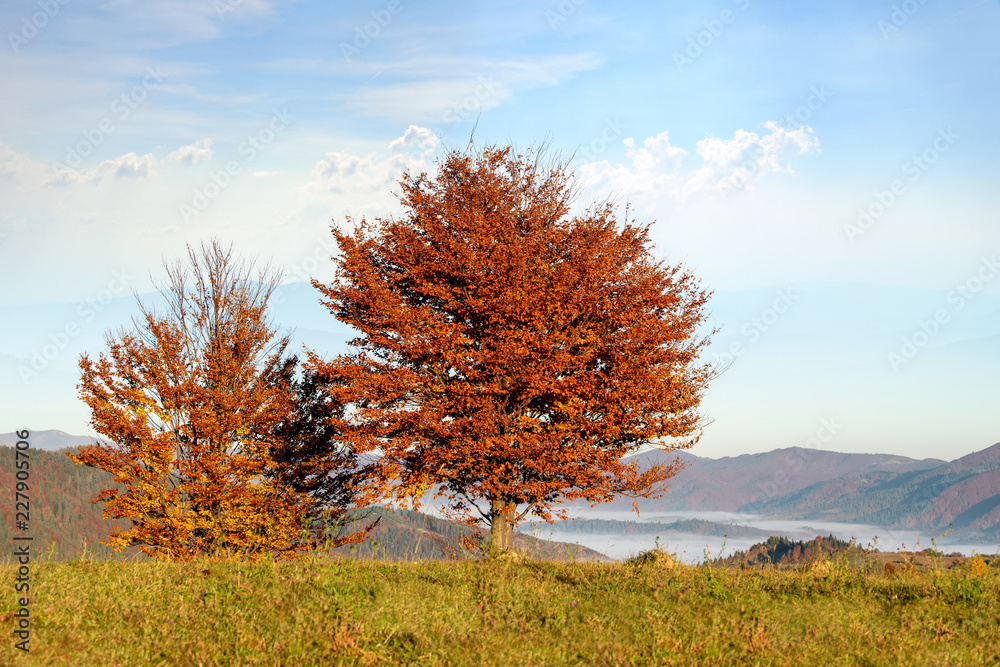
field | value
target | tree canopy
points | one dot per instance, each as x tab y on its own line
217	446
511	352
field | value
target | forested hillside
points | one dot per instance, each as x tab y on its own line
732	483
62	517
963	494
409	535
890	491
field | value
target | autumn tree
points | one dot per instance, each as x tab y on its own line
510	352
217	445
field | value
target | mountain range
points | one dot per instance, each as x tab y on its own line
50	440
963	494
795	483
878	489
740	483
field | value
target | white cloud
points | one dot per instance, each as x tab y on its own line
129	165
337	167
655	150
30	175
193	153
657	168
416	137
339	171
731	164
21	170
345	180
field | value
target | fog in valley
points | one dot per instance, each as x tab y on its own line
692	548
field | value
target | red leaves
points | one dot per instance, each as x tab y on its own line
508	351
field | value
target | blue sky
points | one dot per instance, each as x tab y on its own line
833	162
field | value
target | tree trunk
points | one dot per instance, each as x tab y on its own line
501	526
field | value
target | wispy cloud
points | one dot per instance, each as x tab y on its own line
433	89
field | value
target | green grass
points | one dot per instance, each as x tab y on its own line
506	612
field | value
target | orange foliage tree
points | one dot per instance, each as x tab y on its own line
510	352
217	445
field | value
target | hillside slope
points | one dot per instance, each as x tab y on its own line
964	494
880	489
733	483
408	535
63	519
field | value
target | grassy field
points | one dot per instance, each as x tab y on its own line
505	612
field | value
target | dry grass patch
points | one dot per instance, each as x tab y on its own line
507	612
